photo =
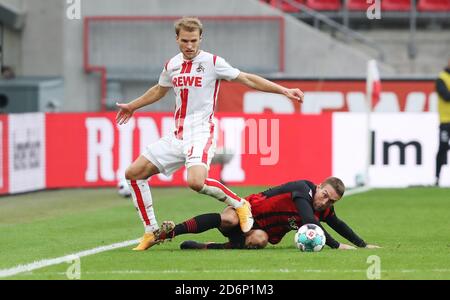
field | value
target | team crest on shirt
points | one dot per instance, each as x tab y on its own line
200	68
292	223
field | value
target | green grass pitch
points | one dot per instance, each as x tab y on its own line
412	225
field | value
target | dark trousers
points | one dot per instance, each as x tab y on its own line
441	157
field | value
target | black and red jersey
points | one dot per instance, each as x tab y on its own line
287	207
278	215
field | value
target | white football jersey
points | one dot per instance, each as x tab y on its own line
196	85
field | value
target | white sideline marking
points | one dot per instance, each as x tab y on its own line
56	261
358	190
59	260
162	272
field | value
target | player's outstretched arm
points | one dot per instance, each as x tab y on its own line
344	230
126	110
343	246
372	247
261	84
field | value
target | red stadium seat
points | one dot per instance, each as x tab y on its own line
357	5
386	5
284	6
395	5
433	5
324	4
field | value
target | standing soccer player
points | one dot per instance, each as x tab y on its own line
443	91
195	77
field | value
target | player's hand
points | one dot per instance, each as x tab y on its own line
372	247
346	247
124	114
294	94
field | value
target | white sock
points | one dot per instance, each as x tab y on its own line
142	199
217	190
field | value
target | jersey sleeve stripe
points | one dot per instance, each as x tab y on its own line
166	65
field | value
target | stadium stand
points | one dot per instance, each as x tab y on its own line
361	5
357	5
395	5
271	43
413	23
285	6
434	5
324	4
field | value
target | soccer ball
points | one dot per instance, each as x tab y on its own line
123	189
310	238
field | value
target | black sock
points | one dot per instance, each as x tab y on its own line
198	224
219	246
441	158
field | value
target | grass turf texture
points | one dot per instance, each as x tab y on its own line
411	225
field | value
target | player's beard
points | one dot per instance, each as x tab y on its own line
318	208
190	55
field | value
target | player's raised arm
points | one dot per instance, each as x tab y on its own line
126	110
261	84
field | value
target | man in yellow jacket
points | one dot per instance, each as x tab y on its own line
443	90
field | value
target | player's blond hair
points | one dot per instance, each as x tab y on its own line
189	24
336	184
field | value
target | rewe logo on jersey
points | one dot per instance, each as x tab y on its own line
181	81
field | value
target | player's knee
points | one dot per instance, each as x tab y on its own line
258	239
196	184
229	218
131	174
138	172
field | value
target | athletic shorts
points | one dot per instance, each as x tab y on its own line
169	153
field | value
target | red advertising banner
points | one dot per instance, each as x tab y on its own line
4	163
331	96
87	149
